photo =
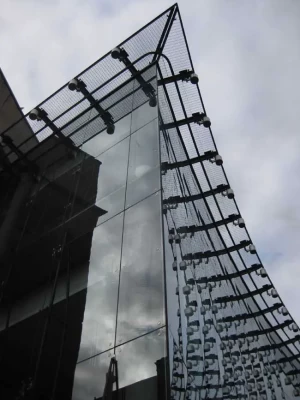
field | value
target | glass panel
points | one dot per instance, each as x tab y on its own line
95	259
50	203
22	342
113	169
137	360
143	171
106	250
141	294
87	186
103	141
141	188
71	193
142	115
90	376
3	317
140	370
111	204
25	281
98	326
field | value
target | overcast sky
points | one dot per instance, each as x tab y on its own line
247	56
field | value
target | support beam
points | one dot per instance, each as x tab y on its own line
178	389
164	36
208	155
184	199
293	372
228	299
122	55
233	275
31	166
269	347
196	118
105	115
66	140
258	332
80	86
40	114
193	229
184	75
245	316
209	254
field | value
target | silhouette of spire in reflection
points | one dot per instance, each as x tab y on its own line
112	379
151	388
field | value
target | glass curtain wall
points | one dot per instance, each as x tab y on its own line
124	312
86	282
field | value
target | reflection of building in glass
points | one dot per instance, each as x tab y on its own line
126	268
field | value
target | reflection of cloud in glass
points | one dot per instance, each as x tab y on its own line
141	289
141	170
142	116
141	303
140	188
141	285
141	300
98	327
136	362
113	170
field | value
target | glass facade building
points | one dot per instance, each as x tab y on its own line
126	267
